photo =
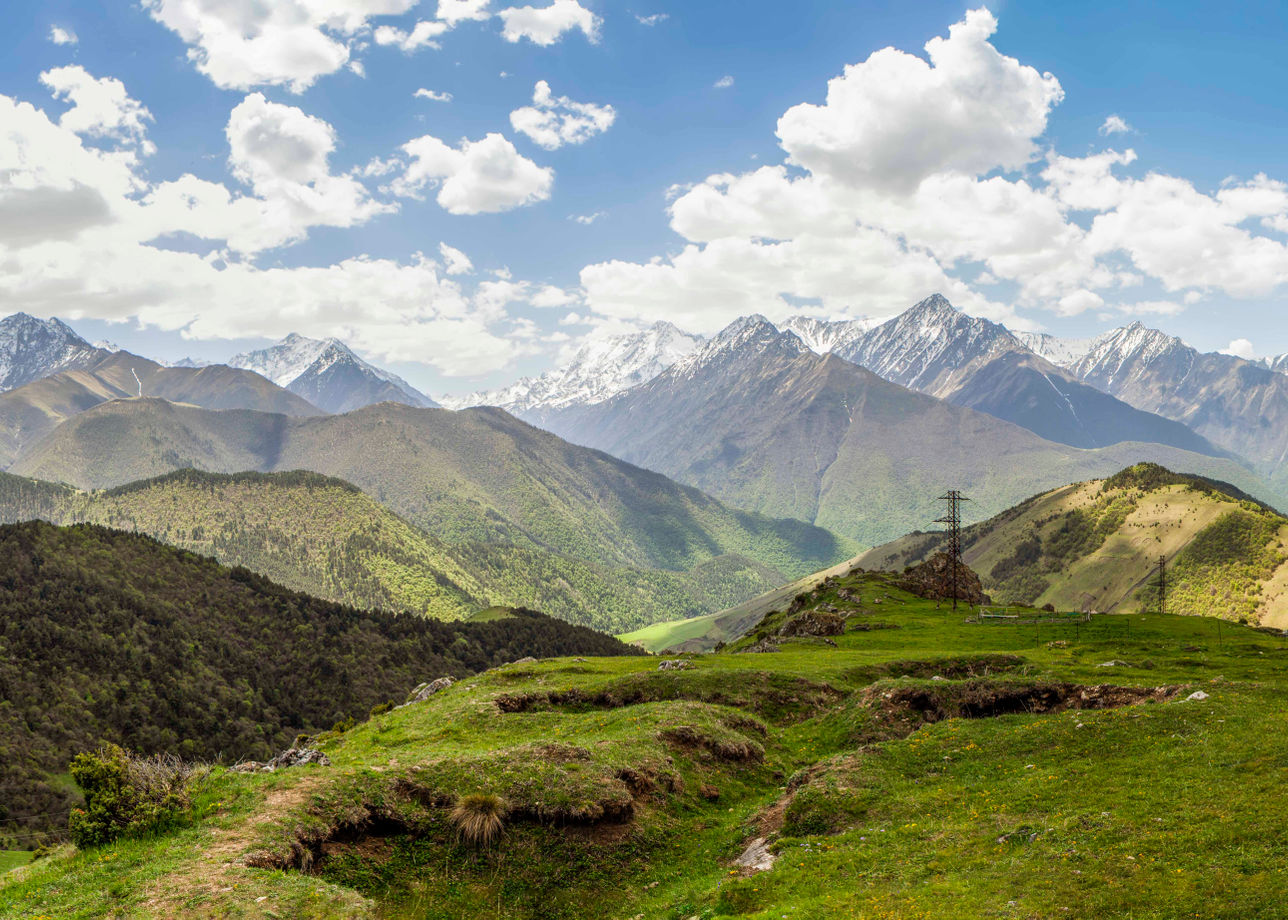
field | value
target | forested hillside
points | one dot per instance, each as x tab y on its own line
325	537
106	635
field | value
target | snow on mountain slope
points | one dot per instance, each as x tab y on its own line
32	348
329	374
822	336
1061	352
1278	364
599	370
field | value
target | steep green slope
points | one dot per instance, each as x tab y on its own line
931	770
106	635
324	537
479	475
1096	545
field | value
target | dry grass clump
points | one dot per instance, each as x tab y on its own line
479	817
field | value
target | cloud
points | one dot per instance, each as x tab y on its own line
478	177
432	96
895	119
586	219
724	82
283	155
547	25
1114	124
100	107
455	11
928	165
60	36
422	35
551	121
81	244
652	19
455	262
287	43
1240	348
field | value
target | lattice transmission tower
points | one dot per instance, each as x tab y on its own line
953	519
1161	584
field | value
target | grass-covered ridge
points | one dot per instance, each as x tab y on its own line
325	537
111	636
940	769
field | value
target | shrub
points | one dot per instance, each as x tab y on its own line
479	817
127	795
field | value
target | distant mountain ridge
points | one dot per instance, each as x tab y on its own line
31	412
329	374
600	369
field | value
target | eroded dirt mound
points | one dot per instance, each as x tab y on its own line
983	699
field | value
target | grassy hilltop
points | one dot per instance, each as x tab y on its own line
1096	544
923	767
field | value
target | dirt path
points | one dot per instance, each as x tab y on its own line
216	868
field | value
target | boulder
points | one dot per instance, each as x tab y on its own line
677	664
933	580
292	757
424	691
813	623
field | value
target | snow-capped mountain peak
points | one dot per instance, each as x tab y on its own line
599	370
1133	346
745	336
31	348
923	347
328	373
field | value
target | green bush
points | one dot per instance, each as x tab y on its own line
127	795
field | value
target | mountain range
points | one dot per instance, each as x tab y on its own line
758	420
32	348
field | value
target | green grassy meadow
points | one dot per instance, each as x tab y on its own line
929	768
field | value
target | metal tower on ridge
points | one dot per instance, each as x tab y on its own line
954	521
1161	584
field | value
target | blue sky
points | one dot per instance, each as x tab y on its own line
247	176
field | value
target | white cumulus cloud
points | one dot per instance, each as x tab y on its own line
61	36
422	35
552	121
895	119
1240	348
431	95
478	177
100	106
724	82
291	43
546	25
455	262
454	11
652	19
1114	124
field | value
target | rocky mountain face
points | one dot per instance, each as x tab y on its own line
757	419
328	374
1277	363
1239	405
599	370
32	348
